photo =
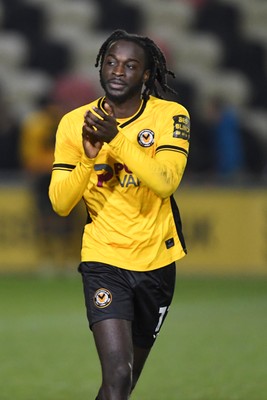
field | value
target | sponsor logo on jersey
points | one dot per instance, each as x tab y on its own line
102	298
146	138
181	127
106	173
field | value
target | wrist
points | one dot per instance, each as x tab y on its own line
87	161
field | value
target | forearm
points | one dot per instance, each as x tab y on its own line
161	174
67	188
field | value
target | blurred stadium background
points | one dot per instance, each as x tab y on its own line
218	50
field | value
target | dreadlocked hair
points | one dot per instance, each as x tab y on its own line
155	58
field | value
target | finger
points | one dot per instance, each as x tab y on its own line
89	115
99	112
87	128
108	109
94	120
90	137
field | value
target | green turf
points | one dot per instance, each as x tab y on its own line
213	345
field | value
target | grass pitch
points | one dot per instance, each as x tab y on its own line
213	345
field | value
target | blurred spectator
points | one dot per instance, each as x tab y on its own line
9	136
223	145
37	141
226	141
39	128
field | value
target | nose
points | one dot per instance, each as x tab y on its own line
118	70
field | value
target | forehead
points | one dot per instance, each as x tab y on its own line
126	49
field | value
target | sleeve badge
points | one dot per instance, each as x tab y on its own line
181	127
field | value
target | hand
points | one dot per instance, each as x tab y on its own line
97	130
91	145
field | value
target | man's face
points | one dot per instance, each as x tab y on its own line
123	71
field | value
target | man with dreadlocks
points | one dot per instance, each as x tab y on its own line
125	154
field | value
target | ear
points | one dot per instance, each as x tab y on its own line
146	75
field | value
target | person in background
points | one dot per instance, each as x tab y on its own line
36	150
125	154
225	136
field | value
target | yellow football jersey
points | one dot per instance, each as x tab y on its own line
133	221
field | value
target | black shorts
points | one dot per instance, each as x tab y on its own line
141	297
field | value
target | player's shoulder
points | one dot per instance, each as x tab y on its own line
167	106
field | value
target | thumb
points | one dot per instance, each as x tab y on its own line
108	109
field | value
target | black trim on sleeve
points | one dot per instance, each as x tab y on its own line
63	167
172	148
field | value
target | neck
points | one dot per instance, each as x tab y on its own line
126	108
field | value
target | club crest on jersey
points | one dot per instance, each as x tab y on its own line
181	127
146	138
102	298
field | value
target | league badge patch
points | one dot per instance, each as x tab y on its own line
102	298
146	138
181	127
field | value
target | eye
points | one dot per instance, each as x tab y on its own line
110	61
130	66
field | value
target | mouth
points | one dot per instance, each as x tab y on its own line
116	84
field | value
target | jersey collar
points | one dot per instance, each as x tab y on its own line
125	121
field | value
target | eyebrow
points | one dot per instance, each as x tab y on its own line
127	60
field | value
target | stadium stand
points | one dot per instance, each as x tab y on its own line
216	47
14	50
126	16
